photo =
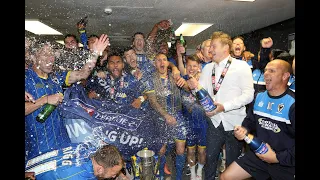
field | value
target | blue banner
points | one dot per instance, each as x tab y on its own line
93	122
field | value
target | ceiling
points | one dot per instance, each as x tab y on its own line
130	16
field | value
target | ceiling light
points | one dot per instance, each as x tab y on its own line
191	29
39	28
62	42
242	0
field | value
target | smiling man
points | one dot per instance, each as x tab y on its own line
272	117
229	83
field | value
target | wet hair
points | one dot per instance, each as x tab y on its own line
238	37
70	35
38	45
224	38
134	35
159	54
193	57
108	156
115	52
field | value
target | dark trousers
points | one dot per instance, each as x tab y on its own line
216	138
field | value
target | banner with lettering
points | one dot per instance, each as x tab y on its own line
93	122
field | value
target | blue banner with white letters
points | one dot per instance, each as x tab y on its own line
93	122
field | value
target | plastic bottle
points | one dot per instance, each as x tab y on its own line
256	144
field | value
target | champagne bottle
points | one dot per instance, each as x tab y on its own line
82	31
182	41
172	36
256	144
83	21
136	166
205	99
44	114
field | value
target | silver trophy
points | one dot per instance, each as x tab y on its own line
147	165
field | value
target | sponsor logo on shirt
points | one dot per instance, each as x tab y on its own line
269	125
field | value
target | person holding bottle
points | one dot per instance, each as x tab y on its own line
272	117
196	122
229	83
45	86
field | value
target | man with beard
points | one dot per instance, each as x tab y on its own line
117	85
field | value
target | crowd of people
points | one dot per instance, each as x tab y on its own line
251	95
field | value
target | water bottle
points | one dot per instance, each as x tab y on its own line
44	114
256	144
205	99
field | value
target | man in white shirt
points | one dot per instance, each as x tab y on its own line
229	82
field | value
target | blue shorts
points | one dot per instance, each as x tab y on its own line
196	136
197	126
173	133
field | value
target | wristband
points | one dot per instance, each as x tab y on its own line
141	99
82	31
96	53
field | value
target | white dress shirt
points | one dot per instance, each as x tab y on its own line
235	91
